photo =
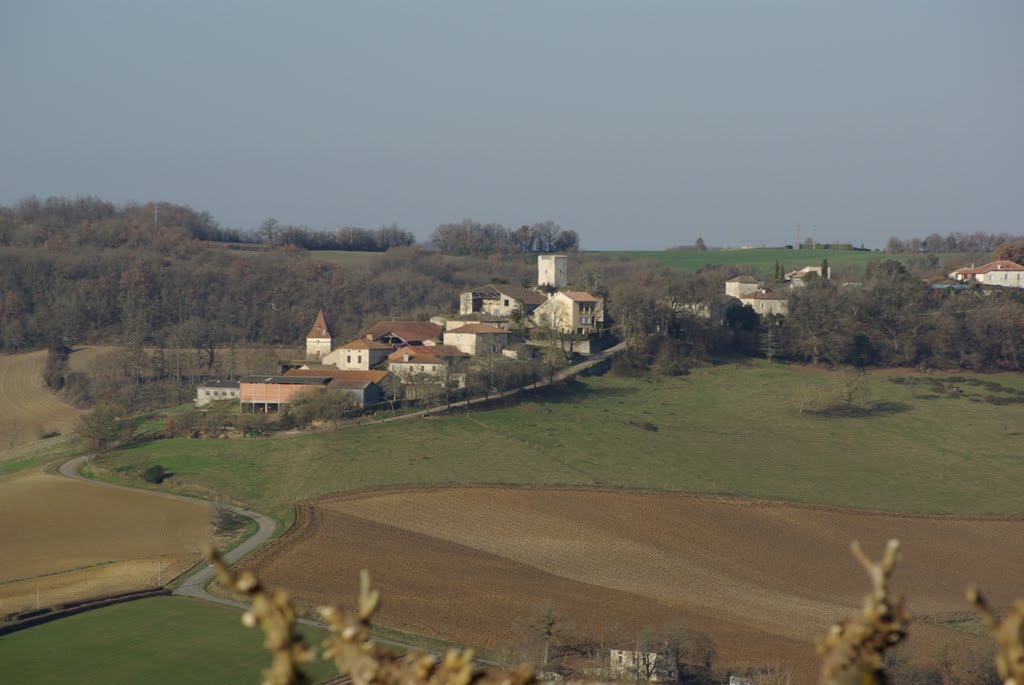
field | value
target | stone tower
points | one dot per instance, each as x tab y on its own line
553	270
318	340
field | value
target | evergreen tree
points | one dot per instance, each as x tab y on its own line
824	269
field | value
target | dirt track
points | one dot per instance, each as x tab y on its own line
766	579
53	524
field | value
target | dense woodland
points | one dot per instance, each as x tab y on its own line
85	271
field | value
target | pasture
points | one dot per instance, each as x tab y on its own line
761	261
737	430
163	640
72	540
468	564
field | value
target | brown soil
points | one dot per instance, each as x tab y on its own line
766	579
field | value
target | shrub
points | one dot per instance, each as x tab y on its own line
154	474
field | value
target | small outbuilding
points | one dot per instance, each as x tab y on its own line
216	391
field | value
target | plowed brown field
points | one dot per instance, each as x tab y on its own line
27	407
53	525
766	579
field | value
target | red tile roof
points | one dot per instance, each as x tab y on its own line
580	296
429	354
998	265
478	329
319	329
409	331
338	374
364	344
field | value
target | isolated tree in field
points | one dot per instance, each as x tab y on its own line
699	245
268	230
102	427
547	623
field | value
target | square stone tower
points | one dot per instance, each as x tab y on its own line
553	270
318	340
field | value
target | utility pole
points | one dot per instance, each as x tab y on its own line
798	236
156	212
37	598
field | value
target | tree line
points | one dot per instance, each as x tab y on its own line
893	318
979	241
469	237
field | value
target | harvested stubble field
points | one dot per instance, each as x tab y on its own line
60	535
27	406
767	579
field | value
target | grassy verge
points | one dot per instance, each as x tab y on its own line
738	429
173	640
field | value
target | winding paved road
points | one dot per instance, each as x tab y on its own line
194	581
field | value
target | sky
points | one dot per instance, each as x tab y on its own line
641	125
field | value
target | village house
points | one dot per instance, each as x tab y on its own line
500	299
632	664
318	340
520	351
363	387
796	278
477	338
216	391
359	354
741	285
571	312
414	361
766	301
1001	272
401	333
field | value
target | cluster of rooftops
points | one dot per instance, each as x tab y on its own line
484	324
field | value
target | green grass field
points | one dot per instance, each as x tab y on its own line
735	429
761	261
172	640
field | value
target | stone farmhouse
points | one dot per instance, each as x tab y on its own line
477	338
359	354
500	299
1001	272
571	312
402	333
766	301
632	664
415	364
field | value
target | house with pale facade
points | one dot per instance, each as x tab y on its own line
571	312
477	338
500	299
741	285
401	333
797	278
359	354
1001	272
766	301
449	322
633	664
553	270
423	367
216	391
318	340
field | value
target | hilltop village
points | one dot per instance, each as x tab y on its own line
497	323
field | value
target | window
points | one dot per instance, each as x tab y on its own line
348	359
359	359
207	393
506	301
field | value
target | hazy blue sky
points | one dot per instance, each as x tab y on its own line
639	124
